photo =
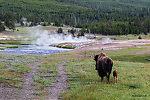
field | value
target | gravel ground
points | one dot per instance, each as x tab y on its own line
114	45
25	93
60	86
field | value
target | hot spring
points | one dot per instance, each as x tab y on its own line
41	41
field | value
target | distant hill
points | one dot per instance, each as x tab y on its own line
114	4
75	10
100	16
40	9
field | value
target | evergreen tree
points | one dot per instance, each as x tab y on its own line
2	28
10	24
82	31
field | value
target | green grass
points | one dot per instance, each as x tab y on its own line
126	51
42	82
47	66
66	46
14	42
21	30
2	47
14	75
123	37
85	84
47	73
12	46
13	68
133	77
133	58
38	93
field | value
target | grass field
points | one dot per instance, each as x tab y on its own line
133	79
124	37
13	68
85	84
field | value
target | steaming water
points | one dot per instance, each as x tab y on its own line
45	37
106	40
33	49
54	38
41	41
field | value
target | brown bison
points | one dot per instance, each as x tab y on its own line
115	74
103	65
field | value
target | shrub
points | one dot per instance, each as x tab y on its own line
60	30
139	37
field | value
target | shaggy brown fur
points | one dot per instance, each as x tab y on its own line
103	65
115	74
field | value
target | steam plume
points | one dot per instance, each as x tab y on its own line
45	37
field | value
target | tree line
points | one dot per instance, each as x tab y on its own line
136	26
93	16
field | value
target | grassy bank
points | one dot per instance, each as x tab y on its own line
133	81
15	42
65	47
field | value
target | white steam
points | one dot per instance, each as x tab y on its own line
106	40
24	20
46	38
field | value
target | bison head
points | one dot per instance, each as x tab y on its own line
96	57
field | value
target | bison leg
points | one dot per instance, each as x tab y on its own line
96	66
114	79
102	78
108	78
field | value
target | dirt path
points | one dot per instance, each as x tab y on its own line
25	93
7	93
60	86
28	88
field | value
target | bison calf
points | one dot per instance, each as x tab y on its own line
115	74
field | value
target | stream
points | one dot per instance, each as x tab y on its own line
34	49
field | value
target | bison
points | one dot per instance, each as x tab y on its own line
103	65
115	74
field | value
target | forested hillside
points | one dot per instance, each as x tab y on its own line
39	10
128	8
115	4
90	14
